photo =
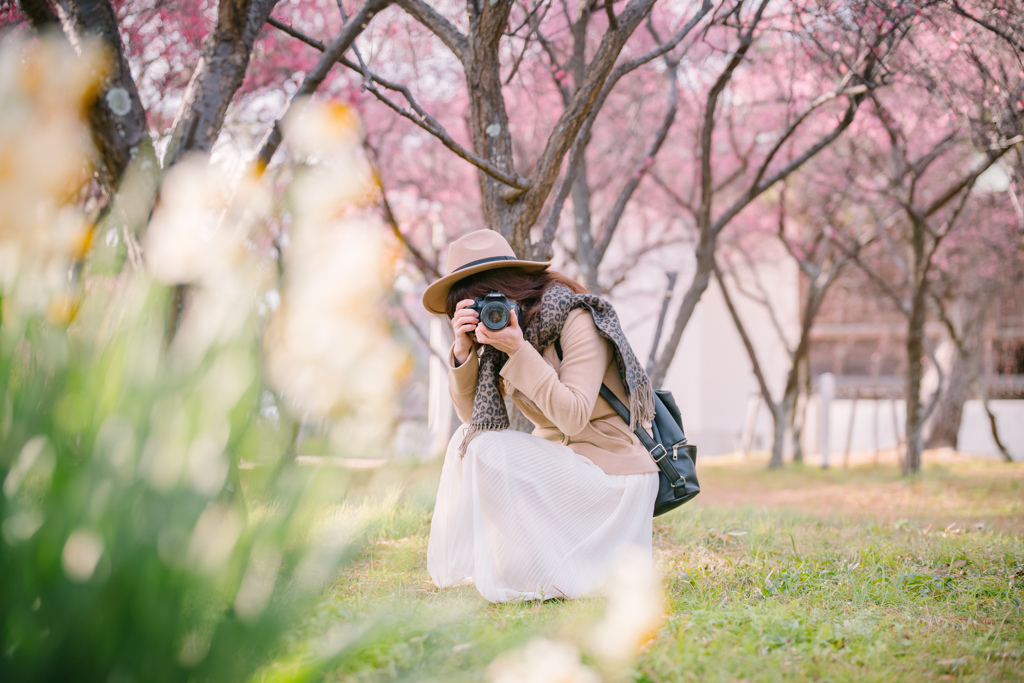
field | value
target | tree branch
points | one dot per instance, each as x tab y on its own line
332	54
669	289
438	25
747	343
615	216
576	112
418	115
579	145
1014	42
708	125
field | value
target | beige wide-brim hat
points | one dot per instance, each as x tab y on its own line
474	253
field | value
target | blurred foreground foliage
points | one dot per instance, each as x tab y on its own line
128	552
156	350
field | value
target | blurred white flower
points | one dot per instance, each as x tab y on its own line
35	461
81	554
207	464
635	610
331	129
45	159
328	344
257	583
214	538
330	540
188	239
541	661
115	442
163	460
22	525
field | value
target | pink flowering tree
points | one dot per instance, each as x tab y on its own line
955	114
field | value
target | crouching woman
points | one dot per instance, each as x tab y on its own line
541	515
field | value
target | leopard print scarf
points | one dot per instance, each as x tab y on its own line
489	412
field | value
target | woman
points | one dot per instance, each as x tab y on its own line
542	515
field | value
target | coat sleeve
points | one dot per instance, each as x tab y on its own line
462	383
567	396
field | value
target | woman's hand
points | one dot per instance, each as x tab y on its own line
464	324
507	339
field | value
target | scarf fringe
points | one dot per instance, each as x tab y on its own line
641	404
475	430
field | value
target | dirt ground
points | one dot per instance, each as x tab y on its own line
952	491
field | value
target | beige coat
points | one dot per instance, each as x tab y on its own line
561	397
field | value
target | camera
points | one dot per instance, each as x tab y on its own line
495	310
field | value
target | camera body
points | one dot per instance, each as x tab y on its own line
495	310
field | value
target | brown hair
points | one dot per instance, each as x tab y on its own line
524	287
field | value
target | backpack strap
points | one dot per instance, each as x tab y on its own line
657	450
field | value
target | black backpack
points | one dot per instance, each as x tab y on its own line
676	459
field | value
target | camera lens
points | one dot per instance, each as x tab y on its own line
494	316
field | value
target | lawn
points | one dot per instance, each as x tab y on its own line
799	574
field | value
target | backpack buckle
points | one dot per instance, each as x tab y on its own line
656	455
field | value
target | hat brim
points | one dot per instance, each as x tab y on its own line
436	294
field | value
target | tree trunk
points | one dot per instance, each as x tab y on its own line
582	220
117	119
217	76
800	411
488	115
943	425
782	417
959	357
915	352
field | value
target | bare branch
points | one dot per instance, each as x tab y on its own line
613	23
1013	41
438	25
422	336
579	145
669	289
418	115
615	216
921	165
577	111
756	190
747	343
663	48
426	266
853	91
886	288
966	181
332	54
708	125
760	297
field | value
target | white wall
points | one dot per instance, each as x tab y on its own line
974	437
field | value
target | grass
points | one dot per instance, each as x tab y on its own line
800	574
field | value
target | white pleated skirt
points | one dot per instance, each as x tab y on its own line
524	518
